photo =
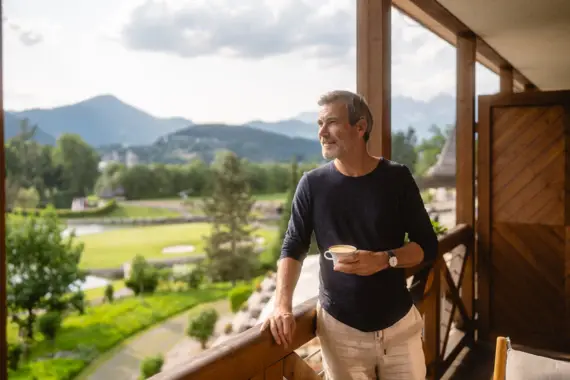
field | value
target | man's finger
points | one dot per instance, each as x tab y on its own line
287	331
274	332
348	259
264	325
279	324
346	268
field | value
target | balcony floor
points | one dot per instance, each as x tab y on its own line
472	363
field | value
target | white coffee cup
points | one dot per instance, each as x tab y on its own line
336	251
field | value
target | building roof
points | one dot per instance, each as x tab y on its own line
442	174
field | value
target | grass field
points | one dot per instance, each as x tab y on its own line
177	201
113	248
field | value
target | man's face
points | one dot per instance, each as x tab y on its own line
336	135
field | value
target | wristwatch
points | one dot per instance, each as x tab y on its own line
392	258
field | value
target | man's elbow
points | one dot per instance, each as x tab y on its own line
430	250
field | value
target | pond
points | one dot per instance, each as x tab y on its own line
88	229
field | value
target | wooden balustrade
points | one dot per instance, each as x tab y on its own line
254	355
442	300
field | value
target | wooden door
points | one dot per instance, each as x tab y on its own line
523	214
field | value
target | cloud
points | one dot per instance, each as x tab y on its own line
26	35
250	29
257	29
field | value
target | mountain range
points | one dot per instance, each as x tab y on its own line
106	121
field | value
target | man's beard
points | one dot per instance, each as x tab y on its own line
330	153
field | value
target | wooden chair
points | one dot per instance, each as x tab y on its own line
500	371
524	363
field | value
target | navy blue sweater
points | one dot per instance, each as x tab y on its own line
371	212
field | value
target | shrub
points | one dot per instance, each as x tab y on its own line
49	324
15	351
202	327
257	283
109	293
68	214
238	296
195	277
151	366
77	301
144	277
438	228
228	328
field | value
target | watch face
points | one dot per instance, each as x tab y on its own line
393	261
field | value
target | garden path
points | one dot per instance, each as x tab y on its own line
124	361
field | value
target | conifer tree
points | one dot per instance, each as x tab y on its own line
230	247
286	215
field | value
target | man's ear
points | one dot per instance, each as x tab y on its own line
361	127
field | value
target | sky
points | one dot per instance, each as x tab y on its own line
207	60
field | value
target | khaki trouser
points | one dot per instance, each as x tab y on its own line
395	353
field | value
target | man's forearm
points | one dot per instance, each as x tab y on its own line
409	255
288	274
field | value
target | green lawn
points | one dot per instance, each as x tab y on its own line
113	248
131	211
102	328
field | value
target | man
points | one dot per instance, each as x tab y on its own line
366	321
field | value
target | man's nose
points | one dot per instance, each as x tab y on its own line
323	132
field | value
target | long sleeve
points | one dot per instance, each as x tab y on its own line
417	221
298	236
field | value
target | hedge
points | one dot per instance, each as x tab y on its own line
68	214
239	295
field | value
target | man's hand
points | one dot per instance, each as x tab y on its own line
363	263
282	325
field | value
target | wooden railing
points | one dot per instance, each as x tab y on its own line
440	296
254	355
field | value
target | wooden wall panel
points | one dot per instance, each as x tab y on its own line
528	282
528	165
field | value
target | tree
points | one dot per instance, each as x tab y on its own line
143	278
80	163
230	248
202	327
27	198
42	267
429	149
286	213
404	147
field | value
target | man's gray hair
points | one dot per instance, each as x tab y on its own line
355	104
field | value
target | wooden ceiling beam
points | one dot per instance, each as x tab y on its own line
436	18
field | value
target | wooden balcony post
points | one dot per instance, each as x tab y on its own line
506	78
373	74
431	310
3	273
465	159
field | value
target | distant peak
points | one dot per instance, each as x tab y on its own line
105	98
